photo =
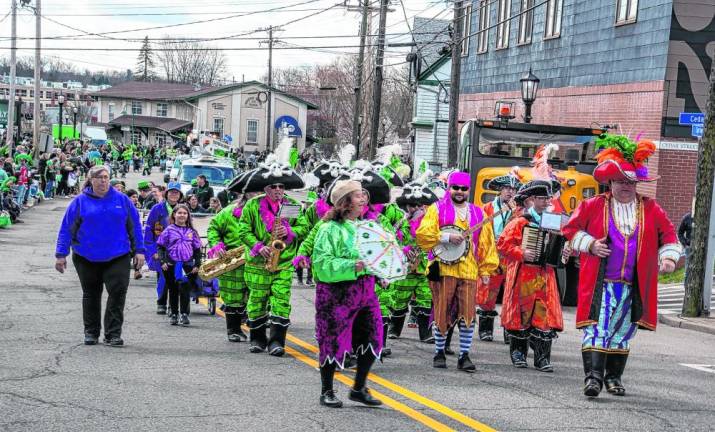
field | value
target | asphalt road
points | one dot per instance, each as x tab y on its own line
173	378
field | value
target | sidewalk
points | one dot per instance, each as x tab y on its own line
701	324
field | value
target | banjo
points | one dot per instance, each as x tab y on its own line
450	253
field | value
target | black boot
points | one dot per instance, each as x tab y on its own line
448	341
593	364
397	322
518	349
506	336
615	364
439	361
359	392
541	343
259	341
486	325
423	325
233	324
327	394
277	339
386	352
299	272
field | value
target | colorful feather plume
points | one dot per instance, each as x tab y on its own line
644	149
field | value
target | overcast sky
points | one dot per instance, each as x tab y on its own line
117	16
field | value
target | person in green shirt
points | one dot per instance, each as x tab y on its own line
259	225
347	313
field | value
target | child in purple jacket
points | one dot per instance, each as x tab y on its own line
179	249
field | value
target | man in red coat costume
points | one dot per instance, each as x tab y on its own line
624	239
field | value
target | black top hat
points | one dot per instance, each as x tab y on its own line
388	173
509	180
539	188
328	171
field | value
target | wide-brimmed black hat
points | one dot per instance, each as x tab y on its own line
327	171
388	173
238	182
416	193
371	181
267	174
509	180
539	188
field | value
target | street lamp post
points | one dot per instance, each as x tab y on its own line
60	101
74	123
529	88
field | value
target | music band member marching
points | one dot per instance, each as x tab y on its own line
414	199
347	313
456	284
271	242
223	234
501	211
624	240
531	307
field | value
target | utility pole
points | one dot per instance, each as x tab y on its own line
38	68
453	133
269	125
697	285
13	60
357	109
377	91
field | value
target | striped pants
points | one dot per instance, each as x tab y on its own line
614	329
268	291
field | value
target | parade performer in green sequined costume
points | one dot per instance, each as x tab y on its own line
269	292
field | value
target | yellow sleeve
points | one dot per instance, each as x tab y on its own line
427	233
488	257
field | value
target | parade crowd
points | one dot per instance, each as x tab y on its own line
623	240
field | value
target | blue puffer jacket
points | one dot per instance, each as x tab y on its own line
100	229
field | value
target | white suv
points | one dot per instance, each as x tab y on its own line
216	170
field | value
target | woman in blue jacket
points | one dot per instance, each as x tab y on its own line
102	228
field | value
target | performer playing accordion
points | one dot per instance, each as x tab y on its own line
531	309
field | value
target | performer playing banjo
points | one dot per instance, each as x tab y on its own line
624	240
531	309
500	208
457	282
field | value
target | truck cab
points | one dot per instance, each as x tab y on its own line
216	170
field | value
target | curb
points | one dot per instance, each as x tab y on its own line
678	322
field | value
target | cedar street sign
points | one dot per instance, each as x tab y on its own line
695	121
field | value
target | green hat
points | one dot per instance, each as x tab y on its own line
115	182
194	182
143	185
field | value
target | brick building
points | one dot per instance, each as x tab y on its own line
625	62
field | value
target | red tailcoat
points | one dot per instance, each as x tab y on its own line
655	230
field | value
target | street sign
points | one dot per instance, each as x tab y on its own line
691	118
696	130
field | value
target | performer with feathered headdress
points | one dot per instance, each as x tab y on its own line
531	307
624	240
259	227
487	294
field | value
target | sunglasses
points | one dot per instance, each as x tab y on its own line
460	188
276	186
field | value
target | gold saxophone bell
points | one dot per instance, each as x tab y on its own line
277	246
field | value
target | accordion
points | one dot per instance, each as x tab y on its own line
546	245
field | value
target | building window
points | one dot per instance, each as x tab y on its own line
136	108
483	34
503	23
218	127
554	9
23	92
110	111
251	132
626	11
160	139
136	137
162	109
466	30
526	21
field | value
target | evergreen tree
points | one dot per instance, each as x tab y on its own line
145	62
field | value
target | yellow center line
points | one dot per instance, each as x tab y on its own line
440	408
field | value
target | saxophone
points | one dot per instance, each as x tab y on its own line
276	245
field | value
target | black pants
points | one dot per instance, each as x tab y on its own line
179	291
114	275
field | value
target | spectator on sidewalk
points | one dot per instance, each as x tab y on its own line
685	232
102	229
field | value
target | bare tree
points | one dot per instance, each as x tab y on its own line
191	62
